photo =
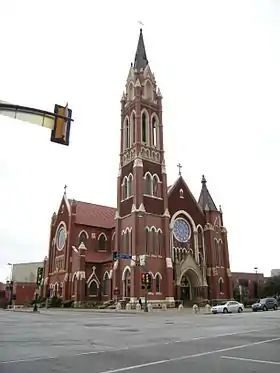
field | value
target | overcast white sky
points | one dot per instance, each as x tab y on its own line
217	65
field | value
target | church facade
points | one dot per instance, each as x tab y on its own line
180	241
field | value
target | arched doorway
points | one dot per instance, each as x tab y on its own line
189	287
126	282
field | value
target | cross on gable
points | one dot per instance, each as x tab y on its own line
179	167
93	270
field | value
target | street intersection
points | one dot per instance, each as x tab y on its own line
65	341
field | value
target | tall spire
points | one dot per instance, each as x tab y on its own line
140	60
205	200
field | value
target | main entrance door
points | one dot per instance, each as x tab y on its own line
185	290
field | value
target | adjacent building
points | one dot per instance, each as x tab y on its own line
24	281
183	241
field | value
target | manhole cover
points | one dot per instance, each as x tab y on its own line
129	330
96	325
169	323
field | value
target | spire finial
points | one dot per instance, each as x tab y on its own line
65	188
203	180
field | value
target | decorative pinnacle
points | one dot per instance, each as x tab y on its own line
203	180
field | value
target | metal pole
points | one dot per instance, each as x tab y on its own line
35	308
146	298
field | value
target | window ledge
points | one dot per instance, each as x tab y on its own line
148	195
125	199
158	293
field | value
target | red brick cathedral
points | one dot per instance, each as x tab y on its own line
182	242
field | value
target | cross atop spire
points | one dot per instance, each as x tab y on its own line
179	168
140	60
65	187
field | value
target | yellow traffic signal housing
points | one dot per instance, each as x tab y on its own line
61	131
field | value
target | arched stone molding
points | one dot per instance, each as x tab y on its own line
190	264
106	273
84	231
126	268
158	274
102	234
60	225
93	280
177	214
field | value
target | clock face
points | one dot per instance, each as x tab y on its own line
181	230
60	238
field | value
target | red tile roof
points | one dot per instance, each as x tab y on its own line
95	215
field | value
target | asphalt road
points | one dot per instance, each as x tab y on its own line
66	341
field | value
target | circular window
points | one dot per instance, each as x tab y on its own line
181	230
60	238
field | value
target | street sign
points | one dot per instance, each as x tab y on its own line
124	256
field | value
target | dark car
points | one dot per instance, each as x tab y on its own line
265	305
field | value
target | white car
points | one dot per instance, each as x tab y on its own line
228	307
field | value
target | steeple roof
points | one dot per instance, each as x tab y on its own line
205	200
140	60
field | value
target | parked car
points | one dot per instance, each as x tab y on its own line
228	307
265	305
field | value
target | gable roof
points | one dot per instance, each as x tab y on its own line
172	187
95	215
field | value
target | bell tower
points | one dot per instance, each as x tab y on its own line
142	217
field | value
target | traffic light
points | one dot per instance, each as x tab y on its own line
61	131
148	281
39	276
115	256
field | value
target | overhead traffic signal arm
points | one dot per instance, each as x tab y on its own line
59	121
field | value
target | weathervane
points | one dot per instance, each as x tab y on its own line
141	23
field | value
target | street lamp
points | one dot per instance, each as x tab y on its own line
256	289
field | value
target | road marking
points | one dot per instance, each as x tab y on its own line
131	347
132	367
251	360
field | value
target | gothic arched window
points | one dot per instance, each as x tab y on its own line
127	134
155	186
148	184
159	243
153	231
125	187
93	289
154	131
83	238
133	128
102	242
129	186
147	240
144	128
221	285
158	283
